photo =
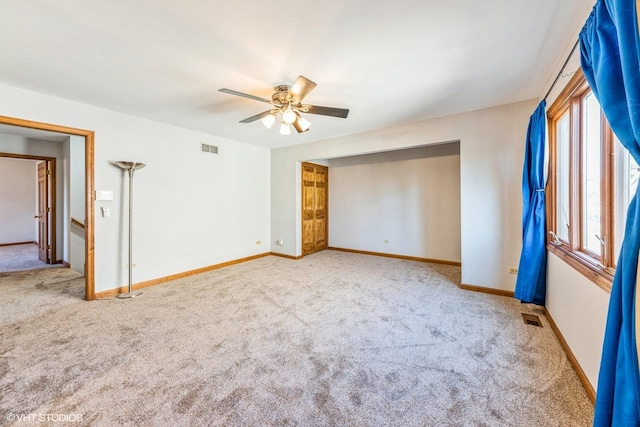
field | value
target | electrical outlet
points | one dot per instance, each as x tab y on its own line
279	242
386	241
258	242
513	270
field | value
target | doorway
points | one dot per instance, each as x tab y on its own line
44	211
31	128
315	187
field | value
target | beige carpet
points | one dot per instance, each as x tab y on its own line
334	339
21	257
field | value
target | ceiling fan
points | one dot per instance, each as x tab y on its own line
287	102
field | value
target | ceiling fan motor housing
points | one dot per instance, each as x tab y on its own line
281	94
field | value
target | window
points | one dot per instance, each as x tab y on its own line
627	176
591	181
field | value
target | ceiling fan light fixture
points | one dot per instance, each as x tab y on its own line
269	120
285	129
303	123
288	116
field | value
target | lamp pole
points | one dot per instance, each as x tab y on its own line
130	167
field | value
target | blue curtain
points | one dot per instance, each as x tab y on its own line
610	59
531	285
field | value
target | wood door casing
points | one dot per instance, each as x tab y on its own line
315	180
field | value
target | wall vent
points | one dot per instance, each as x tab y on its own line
209	148
531	319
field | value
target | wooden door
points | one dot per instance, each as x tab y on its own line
43	214
315	180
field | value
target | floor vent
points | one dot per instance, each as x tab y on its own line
531	319
209	148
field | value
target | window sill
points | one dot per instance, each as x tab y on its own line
598	275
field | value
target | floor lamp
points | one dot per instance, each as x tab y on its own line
130	167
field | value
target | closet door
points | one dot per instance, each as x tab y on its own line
315	179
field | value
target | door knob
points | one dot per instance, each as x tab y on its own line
37	216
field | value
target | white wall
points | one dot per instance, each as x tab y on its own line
37	147
404	202
491	156
77	177
192	209
579	309
75	201
18	188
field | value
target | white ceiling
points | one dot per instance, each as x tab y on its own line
389	62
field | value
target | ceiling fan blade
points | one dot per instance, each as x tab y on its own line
244	95
301	88
256	117
326	111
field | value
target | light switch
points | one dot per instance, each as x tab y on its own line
104	195
105	211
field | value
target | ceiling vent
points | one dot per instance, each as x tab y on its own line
209	148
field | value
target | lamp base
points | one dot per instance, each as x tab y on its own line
129	295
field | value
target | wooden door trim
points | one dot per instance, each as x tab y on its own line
326	204
89	188
27	157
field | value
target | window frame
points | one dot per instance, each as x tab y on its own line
599	268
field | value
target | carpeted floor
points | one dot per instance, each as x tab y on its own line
21	257
334	339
